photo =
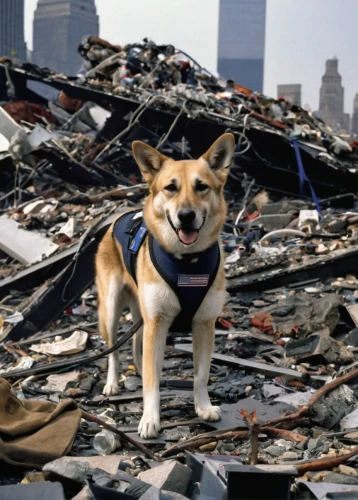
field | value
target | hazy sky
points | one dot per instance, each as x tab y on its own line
300	36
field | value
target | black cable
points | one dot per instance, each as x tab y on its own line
69	364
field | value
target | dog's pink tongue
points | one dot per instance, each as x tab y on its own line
188	237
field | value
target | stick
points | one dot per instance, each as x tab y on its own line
315	397
123	435
206	438
325	463
252	422
282	433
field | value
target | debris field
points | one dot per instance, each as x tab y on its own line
285	364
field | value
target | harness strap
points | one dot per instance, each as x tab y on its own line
186	286
131	238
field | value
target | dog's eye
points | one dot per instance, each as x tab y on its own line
171	188
201	187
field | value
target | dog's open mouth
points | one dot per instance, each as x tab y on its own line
187	235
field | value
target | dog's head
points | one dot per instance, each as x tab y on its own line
185	208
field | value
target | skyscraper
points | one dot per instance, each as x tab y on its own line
331	97
59	26
12	43
355	115
241	45
290	92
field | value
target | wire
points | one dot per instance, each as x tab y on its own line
165	137
134	119
67	365
282	233
247	193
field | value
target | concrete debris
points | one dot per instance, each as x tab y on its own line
296	399
33	491
73	344
25	246
171	476
334	477
350	421
68	469
284	368
348	471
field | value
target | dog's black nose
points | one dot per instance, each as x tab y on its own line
186	216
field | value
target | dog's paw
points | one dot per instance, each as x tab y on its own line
111	389
148	427
210	414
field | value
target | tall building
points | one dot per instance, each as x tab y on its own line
331	97
241	44
355	115
290	92
59	26
12	42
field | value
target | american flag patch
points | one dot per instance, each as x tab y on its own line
193	280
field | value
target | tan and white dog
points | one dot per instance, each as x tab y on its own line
184	213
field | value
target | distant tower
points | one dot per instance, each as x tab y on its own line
12	42
242	41
290	92
331	96
59	26
355	115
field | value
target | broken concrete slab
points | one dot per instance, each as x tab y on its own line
320	490
108	463
350	421
270	390
171	495
353	312
153	493
171	476
8	125
231	417
329	411
334	477
33	491
314	349
68	469
296	399
25	246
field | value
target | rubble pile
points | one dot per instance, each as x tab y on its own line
285	363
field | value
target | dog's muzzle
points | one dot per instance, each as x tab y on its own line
187	235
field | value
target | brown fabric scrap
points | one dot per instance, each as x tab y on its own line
34	432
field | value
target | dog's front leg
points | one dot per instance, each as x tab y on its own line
203	343
154	339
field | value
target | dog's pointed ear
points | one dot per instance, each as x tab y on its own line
149	160
219	155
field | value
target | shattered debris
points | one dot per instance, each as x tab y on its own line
284	368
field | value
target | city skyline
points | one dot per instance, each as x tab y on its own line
291	54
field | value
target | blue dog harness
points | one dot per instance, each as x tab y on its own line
190	277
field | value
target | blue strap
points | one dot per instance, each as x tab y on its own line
303	176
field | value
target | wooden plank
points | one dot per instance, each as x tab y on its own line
265	369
